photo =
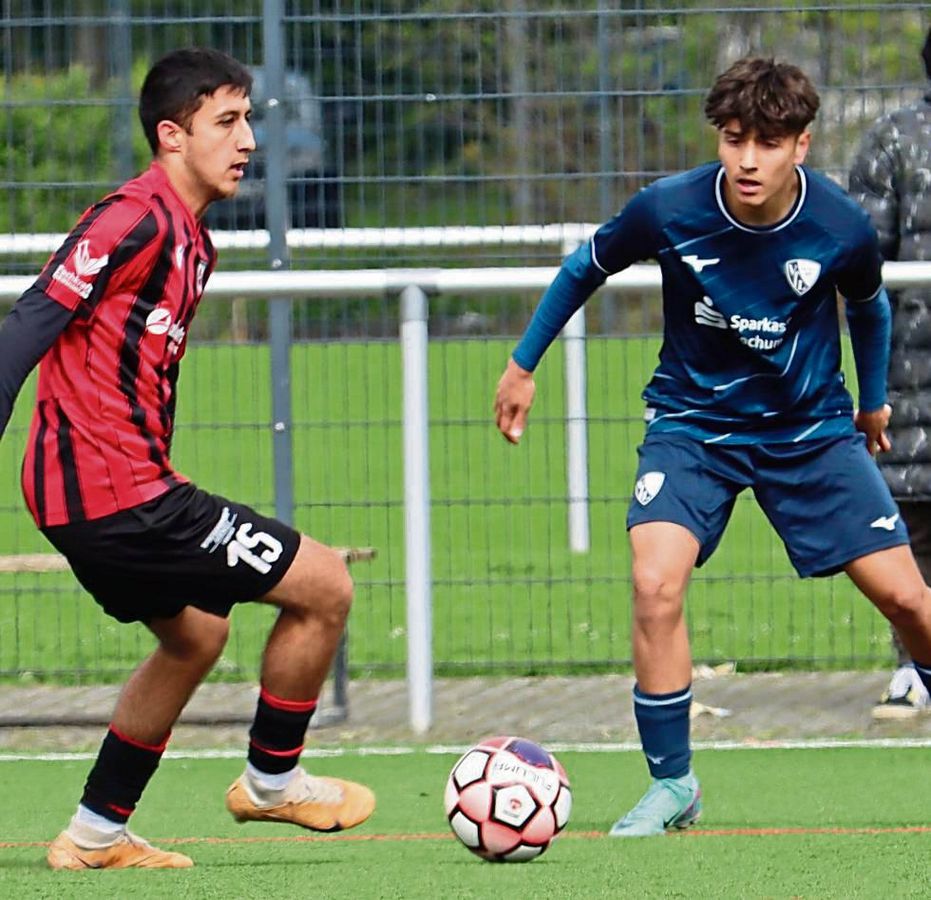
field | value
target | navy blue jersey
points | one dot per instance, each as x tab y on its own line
751	343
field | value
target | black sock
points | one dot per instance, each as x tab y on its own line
124	767
276	738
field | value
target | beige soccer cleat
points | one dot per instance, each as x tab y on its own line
127	852
317	803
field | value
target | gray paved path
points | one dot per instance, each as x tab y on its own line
596	708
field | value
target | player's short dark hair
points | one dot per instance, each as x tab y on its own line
177	84
773	99
926	53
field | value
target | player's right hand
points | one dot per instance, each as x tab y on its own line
513	400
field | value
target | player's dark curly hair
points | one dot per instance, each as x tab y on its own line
773	99
177	84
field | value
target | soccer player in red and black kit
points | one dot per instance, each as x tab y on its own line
108	318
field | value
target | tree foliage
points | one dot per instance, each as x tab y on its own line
442	111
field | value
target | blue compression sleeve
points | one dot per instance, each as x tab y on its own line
870	324
577	280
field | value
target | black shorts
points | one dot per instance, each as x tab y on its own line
184	548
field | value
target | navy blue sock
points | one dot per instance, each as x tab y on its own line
663	722
924	673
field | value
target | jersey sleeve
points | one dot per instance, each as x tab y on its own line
870	325
861	277
629	237
107	237
577	278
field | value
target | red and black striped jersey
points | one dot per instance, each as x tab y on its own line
132	271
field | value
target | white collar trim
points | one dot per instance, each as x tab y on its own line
799	202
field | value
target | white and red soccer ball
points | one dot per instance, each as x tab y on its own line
507	798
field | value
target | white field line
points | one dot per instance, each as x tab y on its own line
555	747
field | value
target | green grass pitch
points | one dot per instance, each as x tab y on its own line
508	593
829	823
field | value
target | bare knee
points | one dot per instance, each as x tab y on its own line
318	586
335	599
904	605
657	598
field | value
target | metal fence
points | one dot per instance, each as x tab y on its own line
434	115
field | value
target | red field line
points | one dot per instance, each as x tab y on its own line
443	836
767	832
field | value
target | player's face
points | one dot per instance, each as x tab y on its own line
214	149
760	184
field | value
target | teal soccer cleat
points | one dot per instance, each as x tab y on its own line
669	803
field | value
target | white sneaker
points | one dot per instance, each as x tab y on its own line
905	698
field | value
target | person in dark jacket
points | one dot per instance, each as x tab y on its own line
891	178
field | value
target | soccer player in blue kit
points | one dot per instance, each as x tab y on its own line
748	393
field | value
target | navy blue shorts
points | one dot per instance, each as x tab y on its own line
184	548
825	498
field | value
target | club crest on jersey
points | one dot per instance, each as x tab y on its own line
802	274
648	486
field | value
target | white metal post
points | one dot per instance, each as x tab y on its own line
417	509
576	429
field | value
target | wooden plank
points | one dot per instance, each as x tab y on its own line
55	562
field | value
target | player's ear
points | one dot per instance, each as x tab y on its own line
169	136
802	143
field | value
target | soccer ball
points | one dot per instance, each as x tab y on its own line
507	798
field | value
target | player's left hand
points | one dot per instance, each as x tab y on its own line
873	425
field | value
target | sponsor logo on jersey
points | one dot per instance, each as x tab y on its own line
697	263
648	486
201	271
85	266
758	334
768	333
706	314
802	274
179	256
159	322
176	337
84	263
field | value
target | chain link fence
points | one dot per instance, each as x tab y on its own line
435	115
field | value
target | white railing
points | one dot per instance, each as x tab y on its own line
366	282
558	235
